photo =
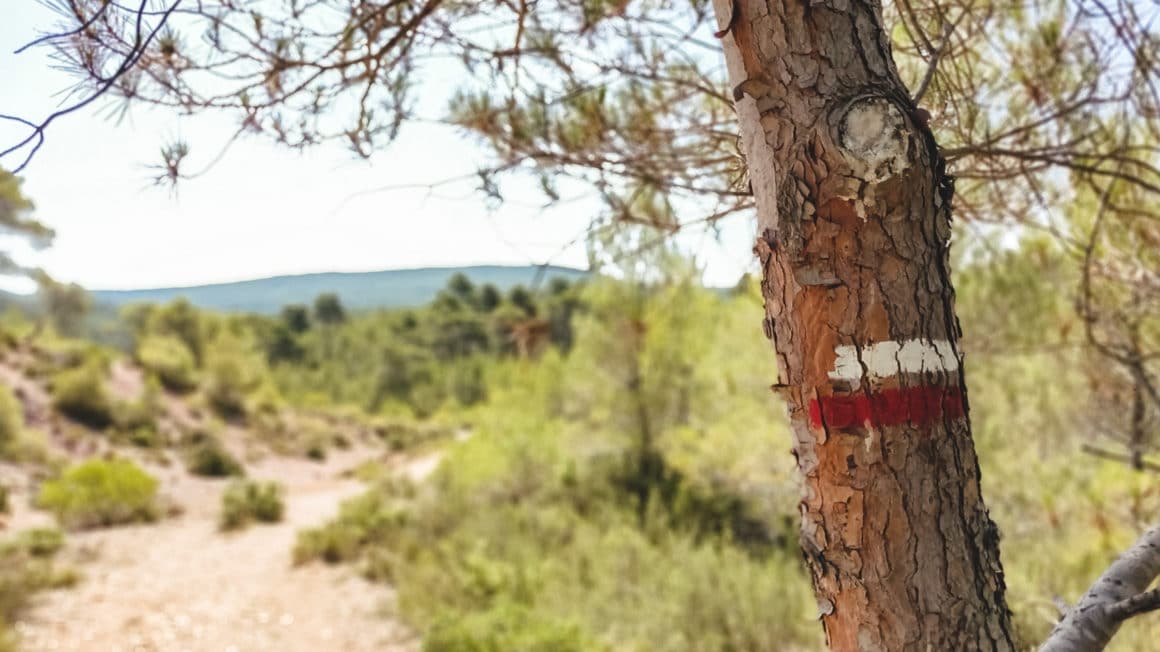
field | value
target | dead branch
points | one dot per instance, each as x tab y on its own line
1120	593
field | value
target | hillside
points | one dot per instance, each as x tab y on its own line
133	582
382	289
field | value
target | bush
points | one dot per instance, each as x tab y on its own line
136	421
506	628
31	447
544	541
170	360
101	493
37	542
231	376
210	458
177	319
244	502
467	383
11	417
80	394
53	355
370	518
403	435
316	449
141	437
26	567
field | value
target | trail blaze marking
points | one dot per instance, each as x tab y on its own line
917	405
890	407
883	359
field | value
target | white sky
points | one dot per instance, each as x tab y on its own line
265	210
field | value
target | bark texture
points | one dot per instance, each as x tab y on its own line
1116	596
853	228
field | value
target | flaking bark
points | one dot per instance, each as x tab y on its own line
853	223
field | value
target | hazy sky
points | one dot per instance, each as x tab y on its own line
264	210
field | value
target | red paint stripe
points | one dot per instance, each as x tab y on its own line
891	407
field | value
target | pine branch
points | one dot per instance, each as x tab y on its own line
1136	605
1119	594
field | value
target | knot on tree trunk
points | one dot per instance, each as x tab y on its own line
874	139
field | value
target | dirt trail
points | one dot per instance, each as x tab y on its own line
180	585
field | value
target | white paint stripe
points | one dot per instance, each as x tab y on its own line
889	358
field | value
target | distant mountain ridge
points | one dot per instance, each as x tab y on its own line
358	290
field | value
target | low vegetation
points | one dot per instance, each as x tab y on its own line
36	542
233	375
80	394
170	360
634	493
621	483
26	568
245	502
579	515
362	522
101	493
510	627
11	418
211	459
17	443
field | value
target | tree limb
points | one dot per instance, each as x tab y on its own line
932	66
1120	593
1136	605
1141	464
141	43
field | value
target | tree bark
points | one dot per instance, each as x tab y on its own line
853	227
1119	594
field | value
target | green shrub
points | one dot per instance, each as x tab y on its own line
31	446
131	415
37	542
245	501
136	421
210	458
58	355
11	417
81	395
4	506
265	400
232	374
370	518
316	449
142	437
533	534
425	399
403	435
170	360
467	383
101	493
26	567
329	544
506	628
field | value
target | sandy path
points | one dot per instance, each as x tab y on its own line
181	585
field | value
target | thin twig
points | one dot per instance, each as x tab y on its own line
948	30
141	44
1119	457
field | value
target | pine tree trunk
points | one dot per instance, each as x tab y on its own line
853	228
